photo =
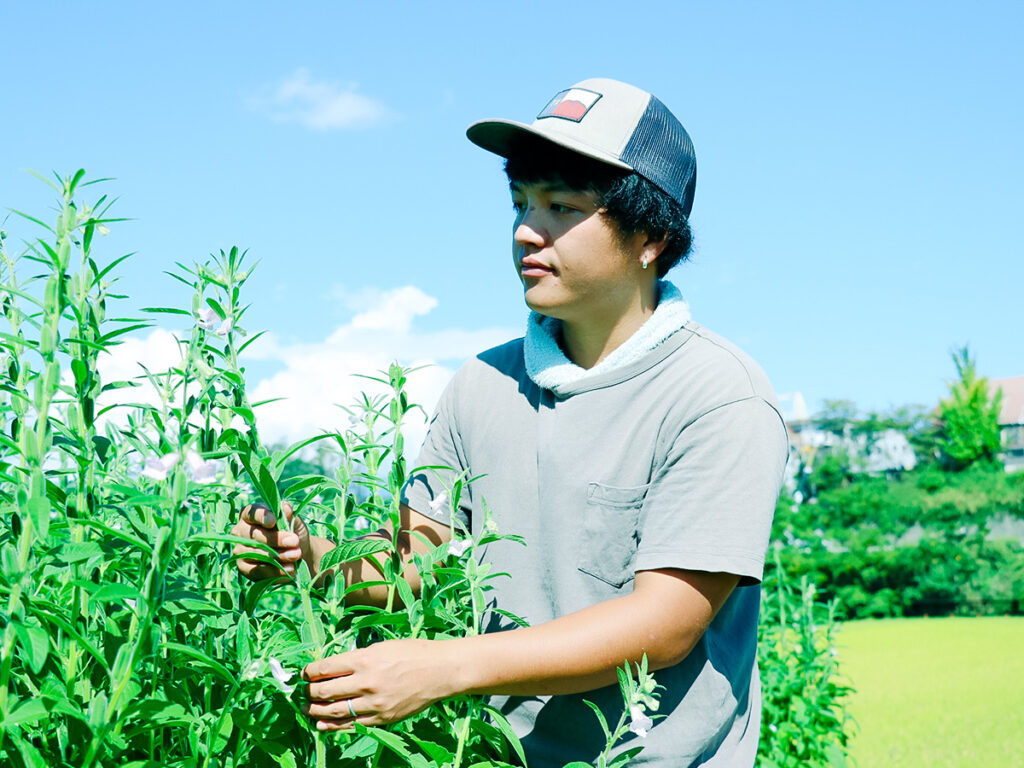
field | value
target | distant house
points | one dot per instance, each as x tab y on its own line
884	451
1011	420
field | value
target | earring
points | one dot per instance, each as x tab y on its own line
644	262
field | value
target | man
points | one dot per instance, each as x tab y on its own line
639	455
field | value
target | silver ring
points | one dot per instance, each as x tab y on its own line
351	709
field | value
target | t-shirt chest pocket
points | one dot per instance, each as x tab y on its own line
610	532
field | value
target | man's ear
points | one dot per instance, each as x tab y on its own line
652	248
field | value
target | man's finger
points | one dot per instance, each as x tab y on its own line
280	540
258	570
338	708
333	666
259	514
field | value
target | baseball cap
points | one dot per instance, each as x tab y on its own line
610	121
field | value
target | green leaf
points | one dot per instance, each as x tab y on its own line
246	413
268	485
48	613
222	736
110	592
77	552
167	310
623	758
215	305
35	644
30	756
364	746
392	741
439	754
499	720
133	540
302	484
227	538
212	664
347	551
405	592
600	718
254	593
29	711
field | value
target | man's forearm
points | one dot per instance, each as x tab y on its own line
580	651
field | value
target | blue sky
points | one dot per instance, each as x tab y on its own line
859	198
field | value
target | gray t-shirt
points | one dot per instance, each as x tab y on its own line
672	461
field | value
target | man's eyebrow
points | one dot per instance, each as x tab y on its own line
545	186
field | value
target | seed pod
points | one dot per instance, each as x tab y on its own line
75	418
46	343
52	294
52	376
64	254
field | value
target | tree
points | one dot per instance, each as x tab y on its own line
970	416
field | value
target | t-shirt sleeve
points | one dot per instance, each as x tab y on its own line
711	501
440	465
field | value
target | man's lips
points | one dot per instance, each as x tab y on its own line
534	267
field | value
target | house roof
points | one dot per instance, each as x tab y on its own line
1012	410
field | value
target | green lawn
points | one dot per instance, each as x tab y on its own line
936	693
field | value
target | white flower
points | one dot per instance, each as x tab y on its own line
103	230
225	327
281	675
361	524
639	723
157	469
458	547
207	318
202	471
439	503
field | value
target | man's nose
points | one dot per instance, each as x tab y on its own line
529	231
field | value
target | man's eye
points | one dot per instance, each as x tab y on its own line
562	208
517	206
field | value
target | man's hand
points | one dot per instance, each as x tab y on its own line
382	683
259	523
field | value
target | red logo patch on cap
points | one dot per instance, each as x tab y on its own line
572	104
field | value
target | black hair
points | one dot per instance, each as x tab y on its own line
632	202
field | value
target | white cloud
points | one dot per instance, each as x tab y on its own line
394	310
320	377
318	104
157	352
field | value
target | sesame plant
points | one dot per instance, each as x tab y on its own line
127	637
805	722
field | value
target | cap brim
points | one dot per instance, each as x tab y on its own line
502	137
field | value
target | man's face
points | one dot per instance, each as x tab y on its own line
573	263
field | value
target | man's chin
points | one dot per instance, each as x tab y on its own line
546	308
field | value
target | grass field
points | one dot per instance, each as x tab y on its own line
936	693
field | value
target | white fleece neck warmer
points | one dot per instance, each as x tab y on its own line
550	369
